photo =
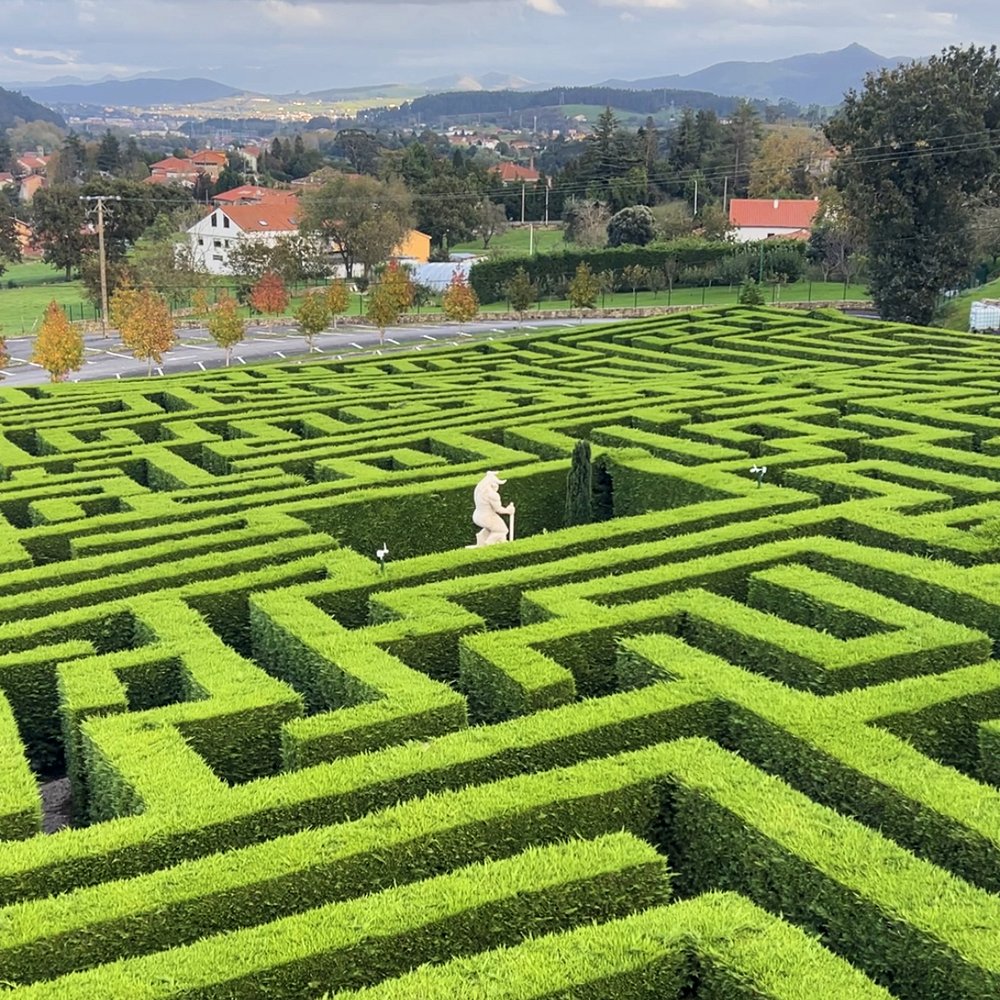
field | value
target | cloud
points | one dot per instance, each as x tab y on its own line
292	15
546	6
57	56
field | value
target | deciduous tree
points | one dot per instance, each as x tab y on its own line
361	219
225	324
907	178
584	288
384	308
337	299
10	248
269	295
58	345
148	328
459	301
521	291
313	315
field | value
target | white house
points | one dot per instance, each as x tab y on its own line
769	218
218	233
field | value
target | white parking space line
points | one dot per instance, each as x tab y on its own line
240	360
427	336
200	365
280	355
391	341
358	346
200	347
114	354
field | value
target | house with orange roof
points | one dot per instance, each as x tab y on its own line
252	194
208	161
30	186
215	236
514	173
31	163
772	218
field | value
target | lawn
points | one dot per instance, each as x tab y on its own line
517	241
22	307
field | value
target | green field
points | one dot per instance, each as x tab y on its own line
954	314
735	736
518	241
37	284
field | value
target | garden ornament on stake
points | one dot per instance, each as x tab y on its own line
381	555
759	471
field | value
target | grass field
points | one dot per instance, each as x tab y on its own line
518	241
21	308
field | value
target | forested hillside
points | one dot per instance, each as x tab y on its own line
14	105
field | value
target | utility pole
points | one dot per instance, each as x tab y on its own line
725	195
101	199
548	185
522	203
695	195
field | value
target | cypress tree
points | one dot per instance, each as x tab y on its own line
578	486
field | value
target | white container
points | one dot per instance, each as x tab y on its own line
985	316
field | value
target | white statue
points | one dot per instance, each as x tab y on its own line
489	507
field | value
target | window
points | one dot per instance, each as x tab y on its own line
201	242
215	219
225	222
216	256
217	244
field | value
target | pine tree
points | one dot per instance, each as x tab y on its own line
313	315
225	325
459	301
579	485
59	344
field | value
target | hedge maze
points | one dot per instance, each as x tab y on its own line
728	741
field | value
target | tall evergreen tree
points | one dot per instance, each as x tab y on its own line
109	154
579	485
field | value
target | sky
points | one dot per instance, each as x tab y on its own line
280	46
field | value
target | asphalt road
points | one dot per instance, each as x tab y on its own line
106	357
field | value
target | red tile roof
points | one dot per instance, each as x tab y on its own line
251	193
279	217
210	157
173	164
767	213
515	172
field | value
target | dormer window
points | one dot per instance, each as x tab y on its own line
215	219
225	222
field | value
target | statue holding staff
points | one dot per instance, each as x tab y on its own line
488	508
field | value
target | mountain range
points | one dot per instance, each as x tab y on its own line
814	78
138	92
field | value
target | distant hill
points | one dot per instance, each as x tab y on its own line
14	105
488	81
815	78
454	105
141	92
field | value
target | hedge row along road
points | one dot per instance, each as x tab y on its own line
729	741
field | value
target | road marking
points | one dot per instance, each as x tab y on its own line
127	357
200	347
391	341
200	365
159	369
418	347
25	361
378	352
240	360
340	357
118	375
267	340
358	346
427	336
462	333
280	355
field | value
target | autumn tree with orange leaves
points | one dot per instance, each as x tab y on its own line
269	295
59	344
147	328
460	301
